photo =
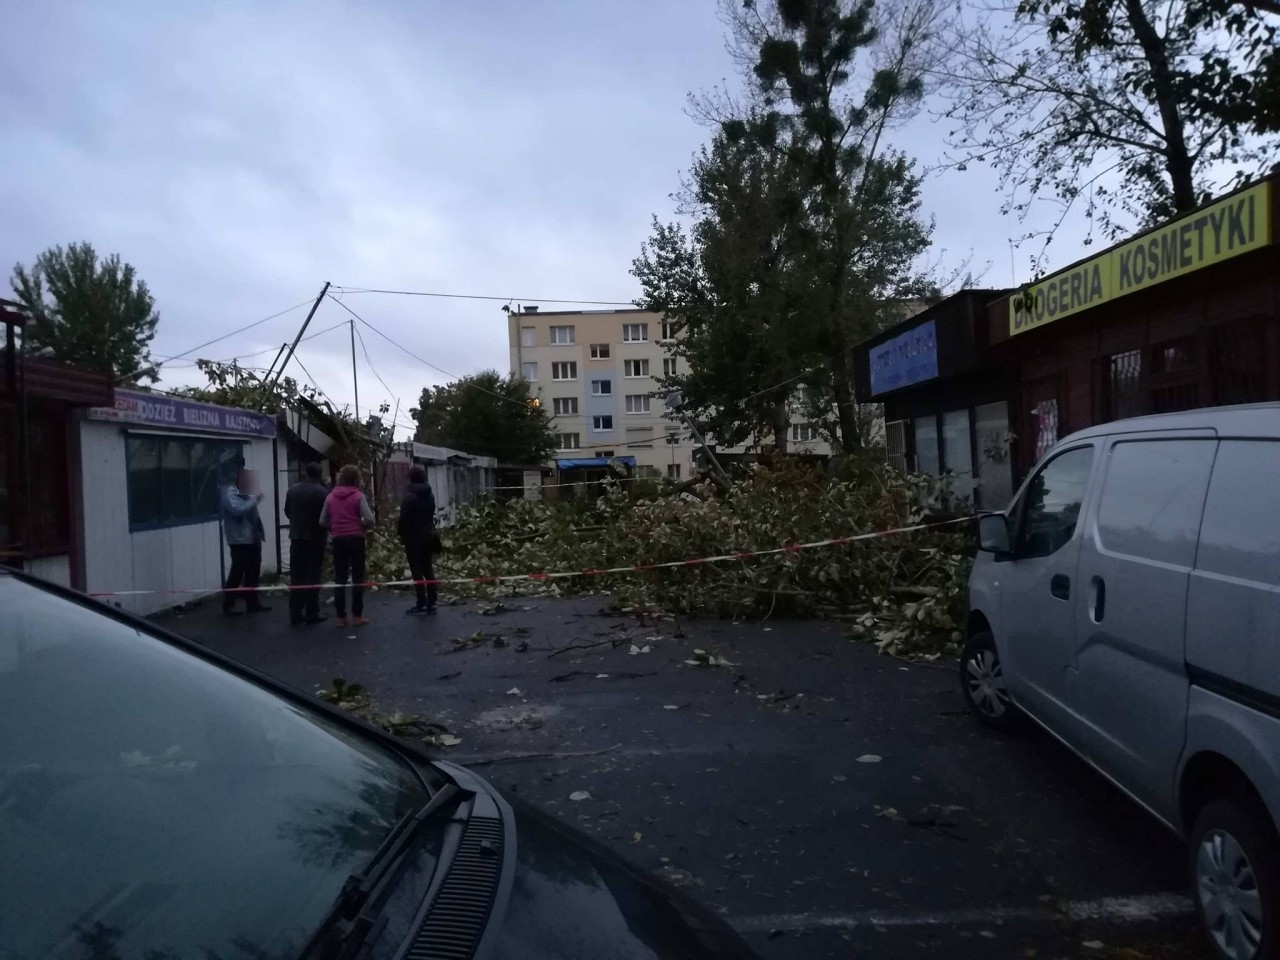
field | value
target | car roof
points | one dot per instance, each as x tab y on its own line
1241	420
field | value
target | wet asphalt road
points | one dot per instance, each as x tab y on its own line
829	801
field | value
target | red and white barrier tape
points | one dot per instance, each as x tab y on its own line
564	574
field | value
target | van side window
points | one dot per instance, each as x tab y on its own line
1240	536
1152	498
1052	503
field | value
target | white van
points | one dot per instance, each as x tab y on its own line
1129	603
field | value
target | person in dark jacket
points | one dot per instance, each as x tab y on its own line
347	517
302	505
417	526
243	531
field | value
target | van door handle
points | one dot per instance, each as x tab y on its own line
1099	589
1060	586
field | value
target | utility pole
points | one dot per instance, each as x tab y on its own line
294	346
355	382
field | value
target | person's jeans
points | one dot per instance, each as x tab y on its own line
246	564
418	553
348	561
306	561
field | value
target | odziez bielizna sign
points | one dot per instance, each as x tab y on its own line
155	410
1228	228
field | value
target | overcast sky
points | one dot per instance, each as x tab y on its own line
241	154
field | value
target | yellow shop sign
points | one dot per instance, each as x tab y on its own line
1222	230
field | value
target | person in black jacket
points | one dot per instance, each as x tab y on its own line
302	505
417	532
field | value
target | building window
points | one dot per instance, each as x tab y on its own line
995	471
529	371
602	388
669	366
1124	385
804	432
669	329
177	481
635	368
562	336
638	403
528	337
568	441
564	370
635	332
599	351
564	406
640	437
605	454
957	451
604	422
673	471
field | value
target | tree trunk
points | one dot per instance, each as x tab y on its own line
1178	162
780	428
846	408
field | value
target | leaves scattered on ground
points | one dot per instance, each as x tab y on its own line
355	700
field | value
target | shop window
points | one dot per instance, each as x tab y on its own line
927	459
1124	385
995	470
1044	425
1174	383
177	481
895	436
957	451
1237	363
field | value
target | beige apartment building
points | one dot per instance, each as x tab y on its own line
597	371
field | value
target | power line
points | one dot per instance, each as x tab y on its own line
428	363
476	296
250	326
369	360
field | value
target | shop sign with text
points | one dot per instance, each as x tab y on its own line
1226	229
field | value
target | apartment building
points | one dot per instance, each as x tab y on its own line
597	371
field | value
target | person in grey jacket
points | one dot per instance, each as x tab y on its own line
243	531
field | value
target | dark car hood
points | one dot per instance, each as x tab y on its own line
573	898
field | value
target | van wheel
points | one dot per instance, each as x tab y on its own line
1235	875
982	680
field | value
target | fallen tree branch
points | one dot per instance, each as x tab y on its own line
615	641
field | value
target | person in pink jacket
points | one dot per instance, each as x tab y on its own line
346	515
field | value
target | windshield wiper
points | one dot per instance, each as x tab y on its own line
346	926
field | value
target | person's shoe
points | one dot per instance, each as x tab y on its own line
340	622
260	608
358	621
296	621
318	618
231	612
418	609
429	610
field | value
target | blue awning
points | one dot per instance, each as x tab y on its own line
598	462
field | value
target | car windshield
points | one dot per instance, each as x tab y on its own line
154	806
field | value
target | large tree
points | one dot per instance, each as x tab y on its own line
732	285
1135	110
828	81
486	414
94	315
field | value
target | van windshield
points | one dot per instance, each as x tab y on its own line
153	805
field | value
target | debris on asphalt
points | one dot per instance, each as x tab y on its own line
513	692
670	706
868	758
471	640
579	795
522	646
701	658
450	676
638	649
